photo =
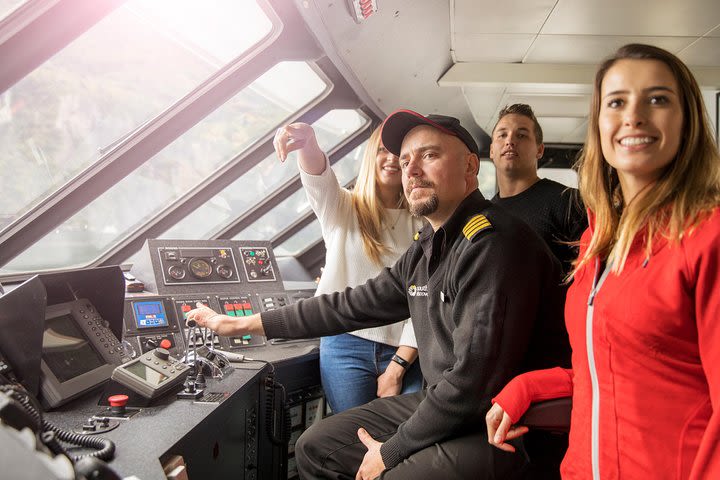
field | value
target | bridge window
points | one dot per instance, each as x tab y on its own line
222	136
262	180
296	207
121	73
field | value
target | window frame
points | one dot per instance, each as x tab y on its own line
288	40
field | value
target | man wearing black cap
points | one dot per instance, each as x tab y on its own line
483	291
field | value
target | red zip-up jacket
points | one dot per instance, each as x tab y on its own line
645	381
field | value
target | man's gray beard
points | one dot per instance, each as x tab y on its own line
425	208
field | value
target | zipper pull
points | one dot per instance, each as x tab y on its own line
591	298
593	291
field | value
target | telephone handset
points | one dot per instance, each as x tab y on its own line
79	351
20	416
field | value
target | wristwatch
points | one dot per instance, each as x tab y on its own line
400	361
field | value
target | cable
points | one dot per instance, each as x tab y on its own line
270	407
105	449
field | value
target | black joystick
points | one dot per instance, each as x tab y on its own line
200	379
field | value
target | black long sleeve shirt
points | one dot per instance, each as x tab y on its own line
555	212
486	305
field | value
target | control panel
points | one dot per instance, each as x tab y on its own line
185	304
273	301
151	322
152	374
197	265
257	264
233	277
239	306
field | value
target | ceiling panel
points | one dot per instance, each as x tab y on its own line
633	17
548	89
591	49
483	103
705	52
715	32
376	54
552	105
480	47
489	16
555	129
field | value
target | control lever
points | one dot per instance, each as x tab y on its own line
191	390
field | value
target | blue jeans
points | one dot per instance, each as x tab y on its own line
350	365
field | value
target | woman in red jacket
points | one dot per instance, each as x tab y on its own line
643	312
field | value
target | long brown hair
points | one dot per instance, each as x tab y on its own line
367	204
686	191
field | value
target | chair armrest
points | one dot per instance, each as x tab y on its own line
552	415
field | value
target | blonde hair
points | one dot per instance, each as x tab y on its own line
683	196
367	205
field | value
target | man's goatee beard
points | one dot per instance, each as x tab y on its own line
422	209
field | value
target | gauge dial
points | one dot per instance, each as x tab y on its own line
224	271
177	272
200	268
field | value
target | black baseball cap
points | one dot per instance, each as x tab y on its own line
400	122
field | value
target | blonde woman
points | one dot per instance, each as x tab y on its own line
643	312
365	230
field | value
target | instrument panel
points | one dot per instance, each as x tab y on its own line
194	266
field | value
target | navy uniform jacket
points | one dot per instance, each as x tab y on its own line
486	302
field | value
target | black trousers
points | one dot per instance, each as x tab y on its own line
331	448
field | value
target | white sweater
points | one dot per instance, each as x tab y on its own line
346	264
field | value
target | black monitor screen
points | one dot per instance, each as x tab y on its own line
150	314
66	350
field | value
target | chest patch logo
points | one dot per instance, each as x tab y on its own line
417	291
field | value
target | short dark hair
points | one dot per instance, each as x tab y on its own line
524	110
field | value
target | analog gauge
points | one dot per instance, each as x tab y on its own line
200	268
224	271
177	272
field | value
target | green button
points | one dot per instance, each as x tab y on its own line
239	313
247	337
231	313
248	312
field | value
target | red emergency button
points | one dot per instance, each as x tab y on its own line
186	308
118	400
165	343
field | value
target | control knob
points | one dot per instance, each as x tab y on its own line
162	353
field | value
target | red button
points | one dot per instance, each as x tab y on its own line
118	400
186	308
165	343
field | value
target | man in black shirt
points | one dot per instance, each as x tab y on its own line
483	292
553	210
